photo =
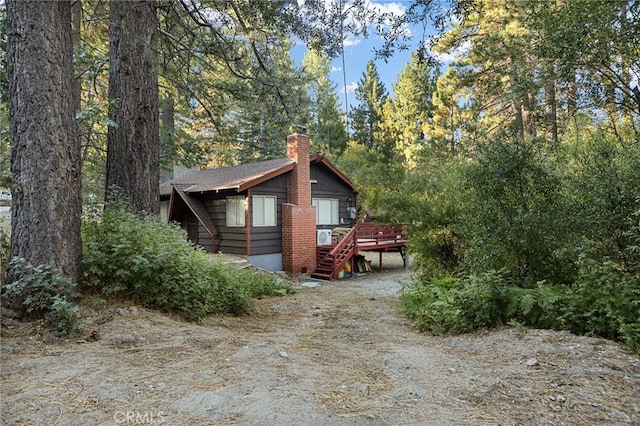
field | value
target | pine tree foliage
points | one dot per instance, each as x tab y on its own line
371	95
409	112
531	66
327	125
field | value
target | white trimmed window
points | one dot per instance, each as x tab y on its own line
264	210
326	211
236	210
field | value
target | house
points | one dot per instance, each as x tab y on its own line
269	211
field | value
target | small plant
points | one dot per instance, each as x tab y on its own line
63	317
605	301
5	246
44	293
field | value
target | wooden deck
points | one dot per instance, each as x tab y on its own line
377	237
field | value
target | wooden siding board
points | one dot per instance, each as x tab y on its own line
263	250
268	239
329	186
230	239
326	180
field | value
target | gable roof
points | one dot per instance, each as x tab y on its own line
319	158
240	178
196	207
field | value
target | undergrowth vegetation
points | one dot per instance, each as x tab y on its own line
527	233
139	258
46	294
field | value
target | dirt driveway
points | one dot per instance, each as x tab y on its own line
337	353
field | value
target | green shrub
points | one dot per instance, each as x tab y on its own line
46	294
455	305
536	307
604	189
139	257
5	247
605	301
514	218
63	317
452	305
431	305
563	229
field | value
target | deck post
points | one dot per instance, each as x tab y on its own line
380	261
353	266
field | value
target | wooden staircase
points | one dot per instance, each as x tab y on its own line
332	258
379	237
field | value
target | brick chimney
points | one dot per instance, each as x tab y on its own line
298	215
300	180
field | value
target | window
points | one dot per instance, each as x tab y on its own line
326	211
236	209
264	210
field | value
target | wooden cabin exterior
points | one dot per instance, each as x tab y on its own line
241	210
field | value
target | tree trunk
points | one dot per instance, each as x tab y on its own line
167	147
76	23
45	159
550	111
572	96
529	122
516	99
133	143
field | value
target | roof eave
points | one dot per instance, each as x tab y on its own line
319	158
266	177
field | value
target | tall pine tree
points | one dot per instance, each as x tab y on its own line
371	95
410	112
45	161
327	127
133	142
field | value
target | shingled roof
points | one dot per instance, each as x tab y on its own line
239	177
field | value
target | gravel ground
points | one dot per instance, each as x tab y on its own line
335	353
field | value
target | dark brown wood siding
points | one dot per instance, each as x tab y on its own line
196	233
264	239
328	185
268	239
230	239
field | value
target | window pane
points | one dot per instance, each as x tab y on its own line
258	211
327	211
264	210
235	211
231	212
335	211
270	211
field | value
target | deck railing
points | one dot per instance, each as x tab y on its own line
371	236
363	236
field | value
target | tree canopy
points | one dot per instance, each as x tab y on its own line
508	145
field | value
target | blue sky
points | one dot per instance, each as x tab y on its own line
358	51
355	63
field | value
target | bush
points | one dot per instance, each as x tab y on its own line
537	307
5	247
138	257
604	189
453	305
62	317
604	301
46	294
514	218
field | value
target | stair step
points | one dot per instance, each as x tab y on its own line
322	276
